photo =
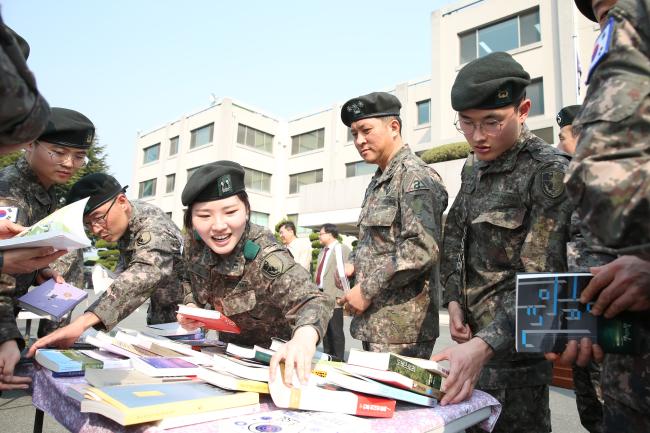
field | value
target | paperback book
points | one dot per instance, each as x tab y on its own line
70	360
164	367
52	300
212	319
226	380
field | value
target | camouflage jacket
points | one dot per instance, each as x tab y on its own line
511	215
609	177
397	253
23	111
258	285
71	268
149	266
22	195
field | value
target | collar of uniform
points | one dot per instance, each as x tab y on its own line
45	197
135	224
232	265
392	165
508	160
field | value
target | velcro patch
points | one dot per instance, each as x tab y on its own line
273	266
143	239
553	182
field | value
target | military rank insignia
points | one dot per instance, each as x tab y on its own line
224	184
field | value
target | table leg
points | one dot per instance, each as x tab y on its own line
38	421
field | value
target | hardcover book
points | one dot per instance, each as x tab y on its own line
52	300
212	319
132	404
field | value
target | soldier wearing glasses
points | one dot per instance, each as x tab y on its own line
510	216
27	196
150	259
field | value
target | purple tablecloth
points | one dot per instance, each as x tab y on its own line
49	395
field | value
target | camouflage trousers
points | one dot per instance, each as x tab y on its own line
626	391
421	349
523	410
588	396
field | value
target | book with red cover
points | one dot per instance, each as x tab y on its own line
211	318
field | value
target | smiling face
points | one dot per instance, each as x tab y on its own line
220	223
490	146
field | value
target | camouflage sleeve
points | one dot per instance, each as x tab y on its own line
8	326
23	111
151	263
301	301
452	255
186	285
499	334
422	202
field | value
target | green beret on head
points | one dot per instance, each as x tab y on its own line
68	128
214	181
377	104
566	115
493	81
584	6
100	187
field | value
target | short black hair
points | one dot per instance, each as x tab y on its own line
331	229
289	226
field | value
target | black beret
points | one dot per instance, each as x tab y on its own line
493	81
377	104
22	43
68	128
566	115
100	187
584	6
214	181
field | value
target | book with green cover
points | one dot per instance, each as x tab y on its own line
69	360
412	368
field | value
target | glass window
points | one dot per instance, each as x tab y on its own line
308	141
498	37
424	112
529	28
191	171
535	91
170	183
359	169
299	230
254	138
201	136
306	178
545	134
151	153
173	145
260	218
505	35
169	214
147	188
350	136
257	180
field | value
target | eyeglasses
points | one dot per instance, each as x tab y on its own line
491	127
100	221
59	157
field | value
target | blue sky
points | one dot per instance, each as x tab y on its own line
135	65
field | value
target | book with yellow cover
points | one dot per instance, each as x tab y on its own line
133	404
230	381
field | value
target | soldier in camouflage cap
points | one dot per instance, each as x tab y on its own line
395	298
238	268
150	247
567	135
609	181
27	196
511	215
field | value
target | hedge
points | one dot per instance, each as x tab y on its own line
446	152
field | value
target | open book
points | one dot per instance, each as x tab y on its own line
61	230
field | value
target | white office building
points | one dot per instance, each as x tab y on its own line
307	167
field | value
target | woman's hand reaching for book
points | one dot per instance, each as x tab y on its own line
297	354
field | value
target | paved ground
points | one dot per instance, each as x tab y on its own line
17	412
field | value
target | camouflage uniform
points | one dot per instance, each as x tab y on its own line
20	189
23	111
150	260
609	181
396	256
258	286
511	215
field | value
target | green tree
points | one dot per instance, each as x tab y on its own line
109	256
9	158
446	152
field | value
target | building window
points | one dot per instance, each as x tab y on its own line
299	179
254	138
350	136
151	153
169	214
545	134
147	188
201	136
191	171
260	218
515	32
173	145
424	112
170	183
359	168
257	180
299	230
535	91
308	141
